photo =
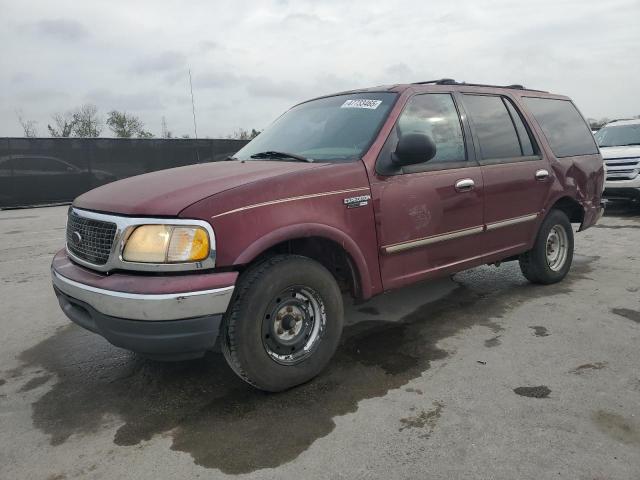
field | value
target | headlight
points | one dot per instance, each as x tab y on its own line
166	244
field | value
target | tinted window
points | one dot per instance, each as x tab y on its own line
523	135
565	129
54	165
435	115
618	136
493	126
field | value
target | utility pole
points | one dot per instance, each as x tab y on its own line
193	106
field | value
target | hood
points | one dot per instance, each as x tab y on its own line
168	192
629	151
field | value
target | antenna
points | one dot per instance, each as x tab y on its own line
193	107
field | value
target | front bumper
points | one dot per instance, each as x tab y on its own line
157	316
164	340
148	307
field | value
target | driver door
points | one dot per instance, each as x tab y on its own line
429	215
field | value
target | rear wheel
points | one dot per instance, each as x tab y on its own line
550	258
285	323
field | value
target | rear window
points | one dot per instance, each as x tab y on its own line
563	126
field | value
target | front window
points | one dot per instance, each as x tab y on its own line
618	136
335	128
435	115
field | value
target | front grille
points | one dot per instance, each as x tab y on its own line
622	169
90	240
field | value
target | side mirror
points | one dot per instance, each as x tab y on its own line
413	148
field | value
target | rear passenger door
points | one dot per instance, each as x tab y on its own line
517	177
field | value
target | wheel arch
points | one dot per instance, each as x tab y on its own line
328	245
571	208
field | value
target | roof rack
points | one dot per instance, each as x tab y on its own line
451	81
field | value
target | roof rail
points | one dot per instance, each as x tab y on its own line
442	81
451	81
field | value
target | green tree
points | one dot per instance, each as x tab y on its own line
166	133
242	134
125	125
29	127
63	124
597	124
87	122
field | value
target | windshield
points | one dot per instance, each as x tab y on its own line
616	136
335	128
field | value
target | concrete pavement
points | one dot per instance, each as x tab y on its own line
478	376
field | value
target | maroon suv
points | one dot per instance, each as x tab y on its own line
360	192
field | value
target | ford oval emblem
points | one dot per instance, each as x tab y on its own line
77	238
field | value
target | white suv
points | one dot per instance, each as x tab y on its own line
619	143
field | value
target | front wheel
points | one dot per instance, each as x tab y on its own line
285	323
550	258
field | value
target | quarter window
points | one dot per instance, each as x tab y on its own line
563	126
435	115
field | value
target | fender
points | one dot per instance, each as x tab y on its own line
303	230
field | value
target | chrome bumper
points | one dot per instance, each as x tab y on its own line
135	306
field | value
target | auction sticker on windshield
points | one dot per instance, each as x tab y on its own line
361	103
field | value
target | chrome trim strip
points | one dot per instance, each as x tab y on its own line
150	307
124	228
399	247
290	199
511	221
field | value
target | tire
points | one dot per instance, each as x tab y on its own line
550	258
284	324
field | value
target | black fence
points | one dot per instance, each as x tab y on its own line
40	171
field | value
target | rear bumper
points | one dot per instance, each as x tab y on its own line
592	213
157	316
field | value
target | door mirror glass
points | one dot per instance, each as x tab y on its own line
413	148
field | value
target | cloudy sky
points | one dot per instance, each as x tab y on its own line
251	60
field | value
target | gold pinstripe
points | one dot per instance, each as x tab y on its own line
290	199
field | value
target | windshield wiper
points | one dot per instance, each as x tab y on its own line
283	155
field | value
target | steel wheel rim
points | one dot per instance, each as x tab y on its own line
557	247
293	325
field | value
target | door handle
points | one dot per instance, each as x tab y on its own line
465	185
542	174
